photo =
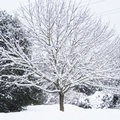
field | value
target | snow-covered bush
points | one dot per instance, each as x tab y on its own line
14	98
77	98
100	100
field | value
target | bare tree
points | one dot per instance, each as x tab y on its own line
70	47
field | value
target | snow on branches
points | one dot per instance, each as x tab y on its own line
69	47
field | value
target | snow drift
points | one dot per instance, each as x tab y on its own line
51	112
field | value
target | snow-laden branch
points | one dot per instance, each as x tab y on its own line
69	46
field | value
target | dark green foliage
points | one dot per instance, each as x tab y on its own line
12	97
18	97
86	89
10	28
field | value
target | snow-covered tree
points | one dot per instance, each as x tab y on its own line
70	47
11	96
11	30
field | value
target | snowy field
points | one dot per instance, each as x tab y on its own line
51	112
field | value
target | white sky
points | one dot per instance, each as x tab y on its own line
108	10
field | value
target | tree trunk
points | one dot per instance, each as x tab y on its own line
61	101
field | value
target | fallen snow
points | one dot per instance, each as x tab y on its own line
51	112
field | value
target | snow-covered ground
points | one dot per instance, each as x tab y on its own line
51	112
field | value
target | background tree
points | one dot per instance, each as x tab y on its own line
13	97
69	48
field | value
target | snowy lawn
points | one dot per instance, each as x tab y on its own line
51	112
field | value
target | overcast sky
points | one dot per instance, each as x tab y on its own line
108	10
